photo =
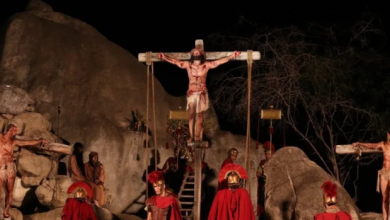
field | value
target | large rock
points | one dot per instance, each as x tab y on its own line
54	192
14	100
19	192
34	168
54	214
306	181
371	216
63	62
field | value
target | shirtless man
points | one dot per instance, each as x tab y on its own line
384	173
197	69
7	165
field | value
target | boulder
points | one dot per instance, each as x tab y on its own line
14	100
63	62
54	214
371	216
30	121
290	172
19	192
15	214
33	168
53	192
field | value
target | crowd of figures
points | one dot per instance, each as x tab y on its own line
88	188
232	201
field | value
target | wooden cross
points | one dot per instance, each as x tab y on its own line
199	146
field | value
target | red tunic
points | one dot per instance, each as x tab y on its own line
229	205
76	210
223	184
340	215
164	202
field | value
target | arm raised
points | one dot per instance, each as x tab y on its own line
369	145
22	143
216	63
179	63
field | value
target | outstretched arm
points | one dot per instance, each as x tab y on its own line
179	63
369	145
22	143
216	63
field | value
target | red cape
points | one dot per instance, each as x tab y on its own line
331	216
223	184
76	210
229	205
164	202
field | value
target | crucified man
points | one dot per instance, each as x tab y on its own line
197	69
7	165
384	173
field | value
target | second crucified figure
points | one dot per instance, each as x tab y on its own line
197	96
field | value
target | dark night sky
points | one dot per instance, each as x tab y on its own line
145	26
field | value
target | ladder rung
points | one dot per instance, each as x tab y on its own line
186	210
190	183
187	203
188	190
186	196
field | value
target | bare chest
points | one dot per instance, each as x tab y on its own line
196	71
6	145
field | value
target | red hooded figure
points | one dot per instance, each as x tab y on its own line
78	208
164	205
330	201
233	203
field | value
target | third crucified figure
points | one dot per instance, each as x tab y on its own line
197	69
383	181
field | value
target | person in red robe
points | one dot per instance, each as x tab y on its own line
268	151
164	205
232	156
233	203
78	208
330	201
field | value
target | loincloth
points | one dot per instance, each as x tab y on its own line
382	173
7	170
201	100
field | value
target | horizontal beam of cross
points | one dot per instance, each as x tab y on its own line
209	56
348	149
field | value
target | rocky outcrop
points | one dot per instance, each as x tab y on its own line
293	188
86	86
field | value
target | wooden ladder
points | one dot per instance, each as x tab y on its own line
186	196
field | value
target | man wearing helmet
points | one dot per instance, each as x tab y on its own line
164	205
232	156
78	207
330	201
234	202
197	96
